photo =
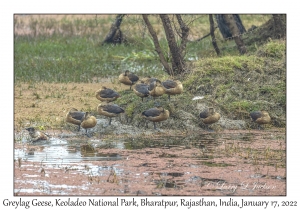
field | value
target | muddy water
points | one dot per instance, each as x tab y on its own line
164	164
58	150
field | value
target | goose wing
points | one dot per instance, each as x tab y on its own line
169	84
133	78
204	114
142	88
153	112
255	115
77	115
113	108
108	93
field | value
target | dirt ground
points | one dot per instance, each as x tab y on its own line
46	104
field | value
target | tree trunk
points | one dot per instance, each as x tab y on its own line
178	64
157	46
115	35
184	34
212	34
224	29
235	33
279	26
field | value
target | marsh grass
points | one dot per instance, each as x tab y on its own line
54	55
66	48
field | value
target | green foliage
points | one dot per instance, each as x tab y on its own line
273	48
244	105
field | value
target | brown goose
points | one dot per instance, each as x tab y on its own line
147	80
109	110
209	116
156	89
106	94
74	116
156	114
172	87
128	78
88	121
260	117
36	135
141	89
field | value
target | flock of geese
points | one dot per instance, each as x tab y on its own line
143	88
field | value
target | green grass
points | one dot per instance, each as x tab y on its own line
245	83
78	60
72	53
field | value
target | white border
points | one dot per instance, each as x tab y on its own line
154	6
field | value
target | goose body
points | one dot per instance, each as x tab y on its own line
172	87
36	135
88	121
75	117
156	114
128	78
106	94
260	117
109	110
141	90
156	89
148	80
209	116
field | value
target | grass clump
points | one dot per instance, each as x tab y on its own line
274	49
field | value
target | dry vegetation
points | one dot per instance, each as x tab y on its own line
45	105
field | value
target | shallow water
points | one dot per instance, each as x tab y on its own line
58	150
179	164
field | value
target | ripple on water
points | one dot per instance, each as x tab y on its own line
56	151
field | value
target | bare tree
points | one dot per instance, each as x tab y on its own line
184	33
157	46
212	34
235	33
115	35
177	52
178	64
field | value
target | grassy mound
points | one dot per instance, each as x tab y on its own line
234	85
240	84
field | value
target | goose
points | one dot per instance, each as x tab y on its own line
36	135
209	116
156	89
172	87
109	110
88	121
141	89
260	117
128	78
156	114
74	116
147	80
106	94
